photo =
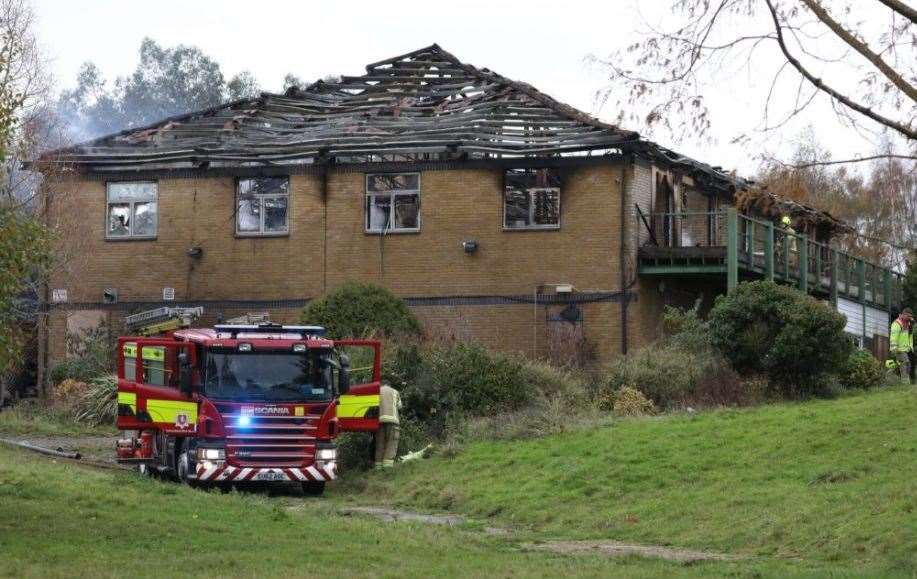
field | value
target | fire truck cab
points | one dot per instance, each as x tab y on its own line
241	403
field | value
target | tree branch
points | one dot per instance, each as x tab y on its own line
845	161
902	9
862	48
846	101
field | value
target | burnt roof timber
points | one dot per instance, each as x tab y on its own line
420	103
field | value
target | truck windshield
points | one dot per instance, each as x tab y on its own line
267	376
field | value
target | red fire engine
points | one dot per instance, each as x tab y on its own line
239	402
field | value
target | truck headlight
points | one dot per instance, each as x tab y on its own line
211	454
326	454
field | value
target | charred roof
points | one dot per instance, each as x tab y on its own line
418	106
425	105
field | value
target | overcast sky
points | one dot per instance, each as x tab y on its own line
541	42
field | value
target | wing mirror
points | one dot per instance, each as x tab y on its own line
344	378
184	374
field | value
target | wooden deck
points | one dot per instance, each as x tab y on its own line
755	249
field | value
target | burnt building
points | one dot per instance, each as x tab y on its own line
498	213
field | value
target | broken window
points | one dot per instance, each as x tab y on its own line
262	206
392	202
131	210
531	199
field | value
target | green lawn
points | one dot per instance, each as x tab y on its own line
58	519
26	420
832	482
821	489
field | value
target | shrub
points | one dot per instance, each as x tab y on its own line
862	371
465	379
685	330
355	450
794	339
90	354
665	374
99	404
631	402
66	395
357	310
441	386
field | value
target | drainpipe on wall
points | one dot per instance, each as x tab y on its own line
324	177
43	311
621	264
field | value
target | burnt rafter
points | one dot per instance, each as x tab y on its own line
424	105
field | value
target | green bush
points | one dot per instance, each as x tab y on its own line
90	354
685	330
465	380
667	375
355	451
443	385
862	371
357	310
792	338
99	404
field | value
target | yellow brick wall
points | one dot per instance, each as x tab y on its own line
456	205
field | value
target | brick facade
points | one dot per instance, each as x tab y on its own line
485	296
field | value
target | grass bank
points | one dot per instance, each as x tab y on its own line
32	419
63	520
830	482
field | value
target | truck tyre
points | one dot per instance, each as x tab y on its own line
313	488
145	470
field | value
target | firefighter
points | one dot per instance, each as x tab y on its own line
902	343
389	427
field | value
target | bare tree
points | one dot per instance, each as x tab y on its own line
861	59
24	244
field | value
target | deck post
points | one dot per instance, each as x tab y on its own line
803	243
887	288
861	280
786	256
835	262
818	267
732	249
769	251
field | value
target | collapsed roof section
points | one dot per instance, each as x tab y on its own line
424	105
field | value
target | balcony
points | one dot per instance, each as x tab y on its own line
743	248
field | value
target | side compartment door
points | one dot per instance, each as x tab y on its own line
358	409
149	396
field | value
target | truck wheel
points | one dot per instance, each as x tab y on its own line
313	488
144	470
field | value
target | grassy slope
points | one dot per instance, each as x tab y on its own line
19	421
62	520
833	482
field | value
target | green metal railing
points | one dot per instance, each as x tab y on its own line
757	246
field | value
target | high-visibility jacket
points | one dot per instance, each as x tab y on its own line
901	339
389	405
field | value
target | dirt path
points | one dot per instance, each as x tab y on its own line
616	549
607	548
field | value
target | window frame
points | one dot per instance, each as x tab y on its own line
530	191
261	232
392	194
107	215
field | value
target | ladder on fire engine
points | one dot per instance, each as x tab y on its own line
159	320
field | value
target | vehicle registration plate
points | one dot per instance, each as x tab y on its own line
269	475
